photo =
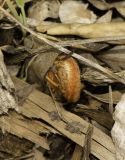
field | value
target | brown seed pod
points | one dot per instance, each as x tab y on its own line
67	75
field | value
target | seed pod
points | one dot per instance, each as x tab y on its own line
67	74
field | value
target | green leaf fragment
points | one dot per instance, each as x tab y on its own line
20	3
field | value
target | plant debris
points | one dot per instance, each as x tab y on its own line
62	75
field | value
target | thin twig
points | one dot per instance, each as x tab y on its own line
110	100
3	3
56	106
95	97
93	40
66	51
87	146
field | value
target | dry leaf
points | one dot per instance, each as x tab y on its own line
103	5
100	4
106	18
121	10
44	9
114	58
76	12
96	78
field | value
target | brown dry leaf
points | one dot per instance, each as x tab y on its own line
94	104
97	78
44	9
100	4
103	5
114	58
76	12
121	10
106	18
13	69
39	65
90	57
101	117
23	93
105	97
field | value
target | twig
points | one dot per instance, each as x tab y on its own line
56	106
87	147
110	100
94	40
94	96
3	3
66	51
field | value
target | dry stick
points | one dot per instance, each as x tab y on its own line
87	147
95	97
56	105
110	100
3	3
92	40
66	51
